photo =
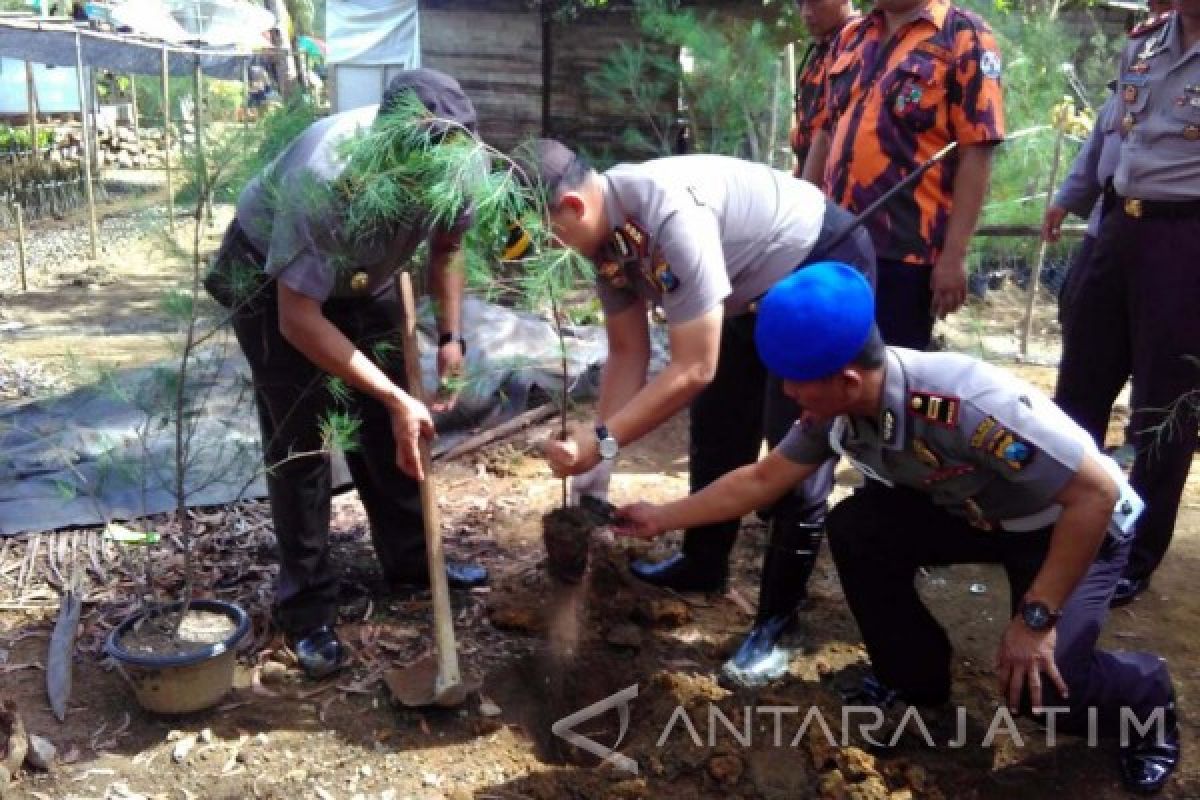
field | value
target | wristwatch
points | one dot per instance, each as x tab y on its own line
1037	616
608	444
450	336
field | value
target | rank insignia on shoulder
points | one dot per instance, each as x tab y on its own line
887	425
1150	25
628	241
937	409
925	455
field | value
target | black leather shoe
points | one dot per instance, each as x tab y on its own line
1127	590
319	652
1147	764
459	575
761	659
682	574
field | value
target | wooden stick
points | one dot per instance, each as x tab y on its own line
1035	276
166	104
16	210
449	678
60	650
523	420
87	145
32	107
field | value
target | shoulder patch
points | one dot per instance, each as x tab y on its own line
998	441
938	409
989	64
658	274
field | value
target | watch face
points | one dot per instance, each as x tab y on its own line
608	448
1036	616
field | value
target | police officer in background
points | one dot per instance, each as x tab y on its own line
968	465
313	300
823	19
1081	193
1135	309
702	236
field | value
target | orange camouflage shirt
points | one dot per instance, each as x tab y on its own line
891	104
810	95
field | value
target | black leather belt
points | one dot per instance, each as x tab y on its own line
1152	209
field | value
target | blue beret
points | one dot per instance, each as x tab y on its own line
815	321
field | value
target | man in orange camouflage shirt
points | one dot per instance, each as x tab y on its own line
905	80
823	19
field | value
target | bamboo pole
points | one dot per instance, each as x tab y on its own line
137	128
789	66
32	106
246	92
166	104
1035	276
16	209
87	144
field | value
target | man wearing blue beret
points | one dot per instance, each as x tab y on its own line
966	465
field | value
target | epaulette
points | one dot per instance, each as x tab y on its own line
1150	25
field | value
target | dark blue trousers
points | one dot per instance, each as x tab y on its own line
743	405
293	397
903	299
880	536
1134	314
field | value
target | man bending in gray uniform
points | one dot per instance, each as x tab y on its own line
969	465
702	236
312	299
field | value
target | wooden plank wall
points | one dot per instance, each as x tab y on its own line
494	49
496	54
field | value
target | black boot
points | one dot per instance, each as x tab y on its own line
459	575
682	573
791	555
1148	762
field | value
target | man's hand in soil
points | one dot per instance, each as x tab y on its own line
574	455
1023	657
410	421
639	521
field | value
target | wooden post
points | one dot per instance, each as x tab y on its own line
16	209
246	92
198	113
1035	276
166	104
87	144
32	106
137	129
773	128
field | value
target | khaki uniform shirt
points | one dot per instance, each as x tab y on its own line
1158	117
981	443
692	232
292	216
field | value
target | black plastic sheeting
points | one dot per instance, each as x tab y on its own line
96	455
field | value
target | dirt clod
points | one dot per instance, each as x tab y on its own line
726	769
566	533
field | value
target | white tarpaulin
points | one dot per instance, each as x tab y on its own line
369	41
213	22
373	32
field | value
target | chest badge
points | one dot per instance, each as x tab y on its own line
937	409
359	282
925	455
1130	93
1127	123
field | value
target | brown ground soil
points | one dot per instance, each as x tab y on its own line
542	650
